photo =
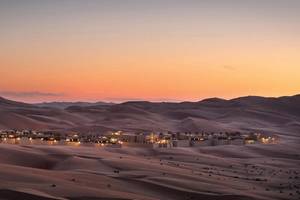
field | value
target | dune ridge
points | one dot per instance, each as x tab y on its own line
273	115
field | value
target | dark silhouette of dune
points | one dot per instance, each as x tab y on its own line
8	103
64	105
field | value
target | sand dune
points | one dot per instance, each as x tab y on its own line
274	115
222	172
263	172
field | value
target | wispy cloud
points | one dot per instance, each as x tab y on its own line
29	94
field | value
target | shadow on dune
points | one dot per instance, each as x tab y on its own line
16	195
166	192
95	198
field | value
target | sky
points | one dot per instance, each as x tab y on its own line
156	50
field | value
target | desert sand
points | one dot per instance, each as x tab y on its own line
214	172
217	172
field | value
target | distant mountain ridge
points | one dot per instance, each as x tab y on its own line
276	115
64	105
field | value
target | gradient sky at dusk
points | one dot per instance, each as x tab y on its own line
148	49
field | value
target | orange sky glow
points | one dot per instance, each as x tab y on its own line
159	52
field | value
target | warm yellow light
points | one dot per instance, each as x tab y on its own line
116	133
162	141
113	140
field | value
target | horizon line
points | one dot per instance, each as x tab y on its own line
125	100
